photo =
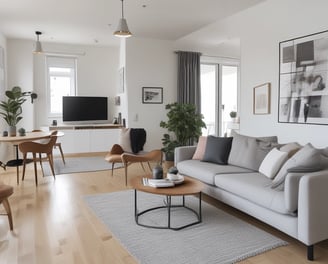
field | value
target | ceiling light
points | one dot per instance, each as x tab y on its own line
38	47
122	29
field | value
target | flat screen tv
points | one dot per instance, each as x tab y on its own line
85	108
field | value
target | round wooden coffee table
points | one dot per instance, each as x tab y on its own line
190	186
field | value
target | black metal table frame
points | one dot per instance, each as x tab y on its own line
168	205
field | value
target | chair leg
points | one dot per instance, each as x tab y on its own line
24	166
51	163
40	158
149	165
35	169
143	167
113	168
126	174
6	205
61	153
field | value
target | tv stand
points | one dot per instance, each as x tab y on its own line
88	138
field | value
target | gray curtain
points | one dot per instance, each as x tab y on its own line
189	78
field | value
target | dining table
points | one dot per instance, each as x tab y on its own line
16	140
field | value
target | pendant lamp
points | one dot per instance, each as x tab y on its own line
122	29
38	47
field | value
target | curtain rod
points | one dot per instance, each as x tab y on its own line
68	54
205	55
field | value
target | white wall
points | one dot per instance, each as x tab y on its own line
261	28
150	63
97	75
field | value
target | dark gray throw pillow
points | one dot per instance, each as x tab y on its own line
217	149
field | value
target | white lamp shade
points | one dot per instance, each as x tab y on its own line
122	29
38	47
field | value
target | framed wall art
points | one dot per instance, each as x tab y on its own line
303	73
152	95
261	99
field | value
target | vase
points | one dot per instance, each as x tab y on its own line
158	172
12	131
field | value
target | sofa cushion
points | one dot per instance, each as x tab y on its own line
217	149
200	150
253	187
307	159
205	171
273	162
290	148
249	152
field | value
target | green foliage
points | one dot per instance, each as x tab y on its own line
185	125
11	109
233	114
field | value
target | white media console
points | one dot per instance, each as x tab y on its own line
88	138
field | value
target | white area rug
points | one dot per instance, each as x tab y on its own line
220	238
79	164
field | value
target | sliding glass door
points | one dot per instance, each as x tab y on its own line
219	96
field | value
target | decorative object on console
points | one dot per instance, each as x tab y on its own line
261	99
122	29
303	77
152	95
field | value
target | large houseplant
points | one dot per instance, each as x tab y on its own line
184	125
11	110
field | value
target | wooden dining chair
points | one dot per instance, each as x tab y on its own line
57	145
39	149
5	192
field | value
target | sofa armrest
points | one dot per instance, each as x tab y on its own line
291	191
312	207
183	153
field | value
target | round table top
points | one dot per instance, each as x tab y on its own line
30	136
188	187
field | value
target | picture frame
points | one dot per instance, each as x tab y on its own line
117	100
303	80
262	99
152	95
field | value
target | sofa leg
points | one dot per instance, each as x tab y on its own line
310	252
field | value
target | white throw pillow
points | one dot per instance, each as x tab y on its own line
124	140
273	162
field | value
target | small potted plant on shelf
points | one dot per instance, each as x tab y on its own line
11	110
184	125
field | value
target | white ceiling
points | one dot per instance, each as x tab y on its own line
94	21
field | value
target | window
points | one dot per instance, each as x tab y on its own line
219	96
61	82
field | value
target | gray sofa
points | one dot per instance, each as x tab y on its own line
294	203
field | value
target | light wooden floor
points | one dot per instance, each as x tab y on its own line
53	225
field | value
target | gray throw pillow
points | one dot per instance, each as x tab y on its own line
307	159
217	149
249	152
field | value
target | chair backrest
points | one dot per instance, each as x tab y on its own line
35	147
132	139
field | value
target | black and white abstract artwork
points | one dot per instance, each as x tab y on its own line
303	73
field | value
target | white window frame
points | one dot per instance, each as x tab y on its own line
60	62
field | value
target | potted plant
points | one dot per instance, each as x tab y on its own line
233	114
184	125
11	110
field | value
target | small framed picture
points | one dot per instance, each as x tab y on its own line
261	99
117	100
152	95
